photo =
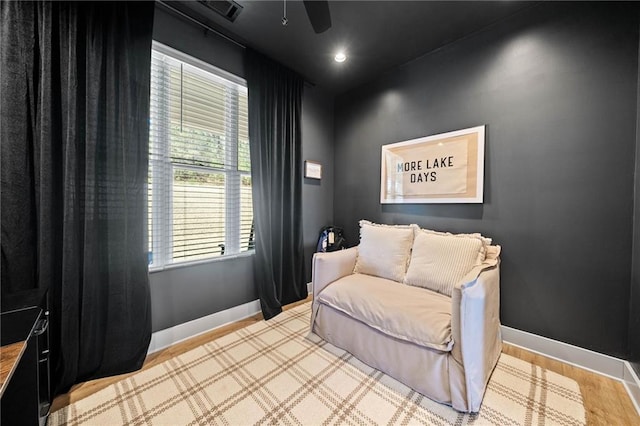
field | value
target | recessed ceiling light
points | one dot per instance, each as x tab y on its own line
340	57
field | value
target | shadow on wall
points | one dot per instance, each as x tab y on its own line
313	182
459	211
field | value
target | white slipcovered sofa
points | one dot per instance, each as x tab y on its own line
419	305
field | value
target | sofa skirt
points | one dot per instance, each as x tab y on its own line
423	369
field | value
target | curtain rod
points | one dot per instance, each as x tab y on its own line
202	24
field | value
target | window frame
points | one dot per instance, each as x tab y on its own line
162	181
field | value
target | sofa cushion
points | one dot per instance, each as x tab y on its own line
384	250
409	313
439	261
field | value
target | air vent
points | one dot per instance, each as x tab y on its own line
228	9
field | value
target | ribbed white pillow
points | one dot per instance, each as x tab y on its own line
485	240
384	250
439	261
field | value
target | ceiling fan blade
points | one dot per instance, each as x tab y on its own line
318	13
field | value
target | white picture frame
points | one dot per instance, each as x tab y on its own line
443	168
312	170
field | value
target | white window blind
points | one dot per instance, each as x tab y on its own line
200	203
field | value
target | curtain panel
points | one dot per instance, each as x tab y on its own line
275	138
74	127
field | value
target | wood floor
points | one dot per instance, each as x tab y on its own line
606	400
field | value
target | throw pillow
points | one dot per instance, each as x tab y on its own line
485	240
384	250
439	261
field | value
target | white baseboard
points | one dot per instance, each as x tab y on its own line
569	354
632	384
170	336
586	359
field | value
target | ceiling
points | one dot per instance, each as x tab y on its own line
375	35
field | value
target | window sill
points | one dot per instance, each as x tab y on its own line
153	270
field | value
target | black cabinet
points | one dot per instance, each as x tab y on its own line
26	399
44	381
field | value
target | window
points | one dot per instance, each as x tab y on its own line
199	169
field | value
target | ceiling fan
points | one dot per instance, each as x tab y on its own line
318	13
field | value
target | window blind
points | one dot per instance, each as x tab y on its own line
200	203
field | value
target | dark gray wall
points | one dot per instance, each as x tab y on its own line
556	87
186	293
634	307
317	145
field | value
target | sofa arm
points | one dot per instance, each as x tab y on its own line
475	326
329	267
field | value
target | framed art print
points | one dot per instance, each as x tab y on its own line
443	168
312	170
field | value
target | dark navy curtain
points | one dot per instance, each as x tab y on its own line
74	129
275	135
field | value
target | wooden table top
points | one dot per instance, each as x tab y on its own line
9	357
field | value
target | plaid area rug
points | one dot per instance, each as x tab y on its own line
269	373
